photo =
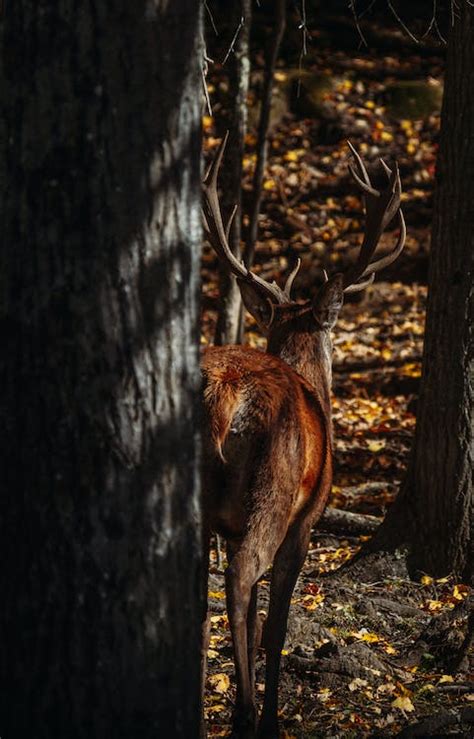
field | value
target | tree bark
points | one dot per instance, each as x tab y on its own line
228	327
433	513
99	525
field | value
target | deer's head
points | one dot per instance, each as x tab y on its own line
296	329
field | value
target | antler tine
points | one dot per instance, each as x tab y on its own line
213	223
381	207
358	286
361	166
218	235
363	185
230	221
291	278
386	260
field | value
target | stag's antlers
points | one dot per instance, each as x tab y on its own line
218	236
380	206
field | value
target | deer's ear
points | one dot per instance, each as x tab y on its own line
328	302
258	305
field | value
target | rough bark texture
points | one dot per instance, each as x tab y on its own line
100	191
229	324
433	513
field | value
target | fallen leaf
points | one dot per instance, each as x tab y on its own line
445	679
219	682
403	703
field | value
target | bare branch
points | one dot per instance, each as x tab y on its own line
232	43
211	17
400	21
356	21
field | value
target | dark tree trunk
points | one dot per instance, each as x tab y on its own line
228	328
433	513
99	189
279	26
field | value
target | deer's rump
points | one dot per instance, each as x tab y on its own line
259	415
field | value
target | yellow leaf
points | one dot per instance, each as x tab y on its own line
426	580
269	185
445	679
324	695
280	76
460	592
403	703
207	122
367	636
216	594
434	605
212	654
291	156
376	446
413	369
219	682
311	602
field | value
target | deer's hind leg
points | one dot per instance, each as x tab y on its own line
253	624
249	561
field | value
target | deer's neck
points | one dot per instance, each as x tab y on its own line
310	355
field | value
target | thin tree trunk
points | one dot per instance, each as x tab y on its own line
263	125
433	513
99	518
230	303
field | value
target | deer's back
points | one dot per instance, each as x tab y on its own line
261	420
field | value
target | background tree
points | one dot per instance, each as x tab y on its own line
234	118
233	115
433	513
100	190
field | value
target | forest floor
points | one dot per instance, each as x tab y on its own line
372	652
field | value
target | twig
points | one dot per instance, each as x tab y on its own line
367	9
356	21
304	48
232	43
400	21
434	24
211	17
204	70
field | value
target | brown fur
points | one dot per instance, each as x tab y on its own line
266	475
267	465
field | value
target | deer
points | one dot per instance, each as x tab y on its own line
267	434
